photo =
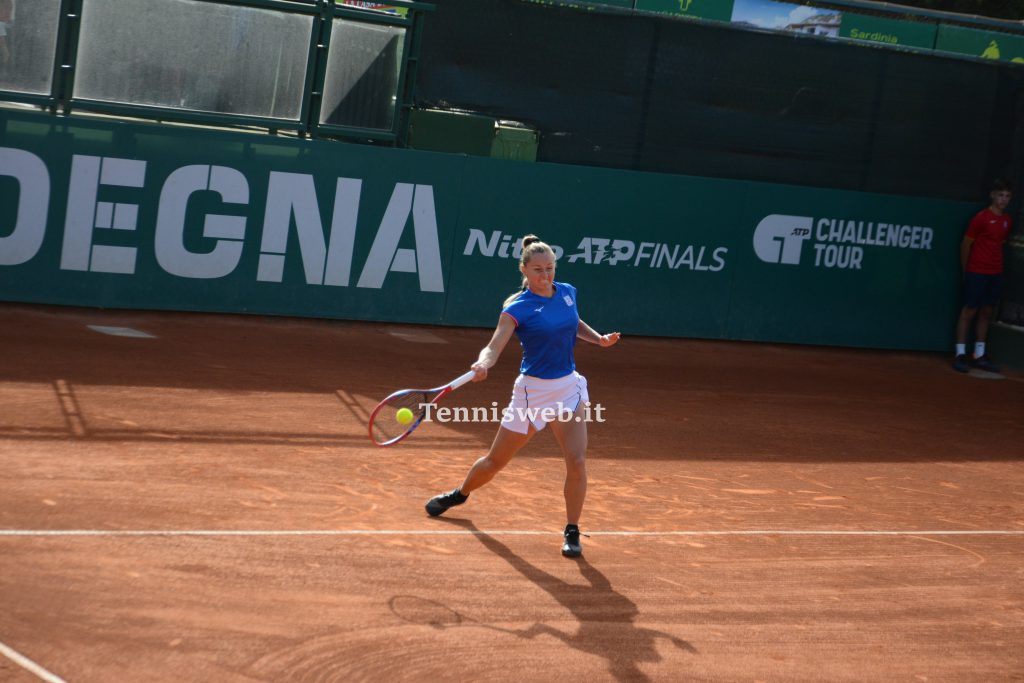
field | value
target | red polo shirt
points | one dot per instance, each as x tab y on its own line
989	231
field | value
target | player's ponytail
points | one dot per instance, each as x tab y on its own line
531	245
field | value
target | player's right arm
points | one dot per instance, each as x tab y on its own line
973	230
490	353
965	252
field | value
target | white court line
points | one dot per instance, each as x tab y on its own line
417	336
497	532
121	331
27	664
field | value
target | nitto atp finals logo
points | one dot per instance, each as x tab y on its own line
608	251
837	242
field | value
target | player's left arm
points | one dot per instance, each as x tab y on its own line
588	334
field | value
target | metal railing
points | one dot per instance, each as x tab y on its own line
315	67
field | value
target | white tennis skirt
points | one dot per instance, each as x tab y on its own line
537	401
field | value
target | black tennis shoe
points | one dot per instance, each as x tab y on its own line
960	363
571	547
983	363
438	504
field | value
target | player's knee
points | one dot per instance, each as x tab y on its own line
576	465
490	465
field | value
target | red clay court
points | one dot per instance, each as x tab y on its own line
203	504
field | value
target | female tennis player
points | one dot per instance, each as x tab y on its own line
543	315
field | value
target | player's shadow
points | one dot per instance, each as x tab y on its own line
606	617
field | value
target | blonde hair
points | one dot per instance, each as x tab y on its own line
531	245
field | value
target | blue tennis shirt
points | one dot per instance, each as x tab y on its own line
547	331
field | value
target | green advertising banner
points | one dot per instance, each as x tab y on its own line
888	31
1005	47
716	258
112	214
585	4
145	216
718	10
642	248
827	265
375	6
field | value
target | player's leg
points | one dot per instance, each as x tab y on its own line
973	287
960	359
981	324
980	358
572	438
506	444
989	296
967	314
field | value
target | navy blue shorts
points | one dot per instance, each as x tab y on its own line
982	290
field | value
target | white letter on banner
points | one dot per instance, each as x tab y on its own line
295	193
84	214
287	194
779	238
343	231
33	204
622	250
227	231
82	189
385	256
477	237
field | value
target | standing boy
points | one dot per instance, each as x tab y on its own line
981	260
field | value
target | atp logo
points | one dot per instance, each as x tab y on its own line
780	239
836	242
684	5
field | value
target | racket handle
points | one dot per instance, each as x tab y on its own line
462	379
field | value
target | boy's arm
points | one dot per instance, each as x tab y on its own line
965	252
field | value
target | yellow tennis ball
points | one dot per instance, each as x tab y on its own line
404	416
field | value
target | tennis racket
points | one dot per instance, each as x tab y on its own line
386	430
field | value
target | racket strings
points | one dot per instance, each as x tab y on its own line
386	425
